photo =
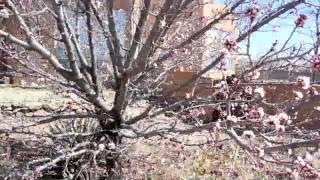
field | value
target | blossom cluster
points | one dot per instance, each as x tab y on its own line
301	20
254	75
304	83
316	63
230	45
302	168
278	122
252	12
256	113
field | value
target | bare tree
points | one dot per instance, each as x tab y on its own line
161	38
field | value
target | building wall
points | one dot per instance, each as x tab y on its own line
44	33
9	25
203	87
210	10
285	75
179	76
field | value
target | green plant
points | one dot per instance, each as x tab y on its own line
74	131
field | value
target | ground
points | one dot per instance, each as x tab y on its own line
28	96
156	158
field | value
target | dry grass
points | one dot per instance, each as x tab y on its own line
28	96
155	158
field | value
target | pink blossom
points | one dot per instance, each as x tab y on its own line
261	111
248	90
299	161
254	75
272	121
298	95
222	84
102	147
303	82
252	12
188	95
283	117
223	64
316	63
305	169
260	152
288	170
308	157
233	119
301	20
317	108
256	113
280	128
313	91
293	174
248	135
230	45
260	91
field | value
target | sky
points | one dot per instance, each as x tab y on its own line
262	41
